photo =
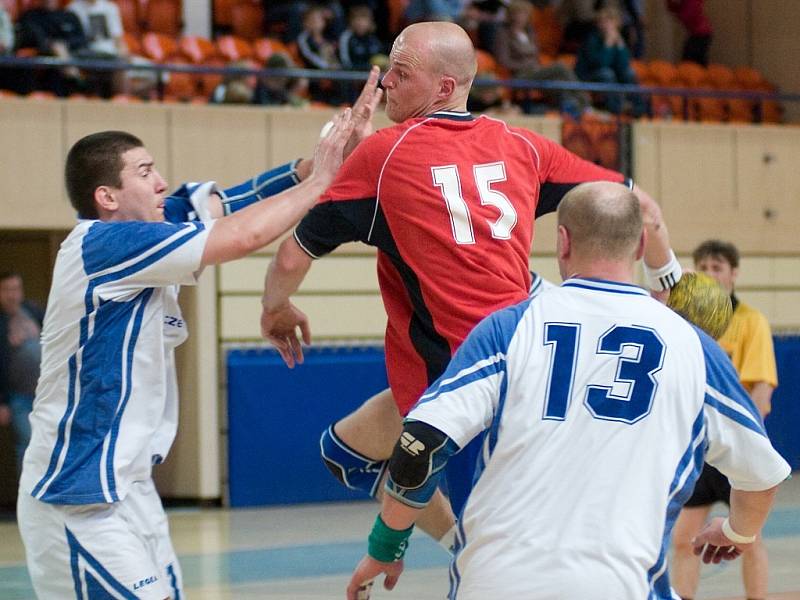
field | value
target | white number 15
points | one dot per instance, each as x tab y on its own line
447	179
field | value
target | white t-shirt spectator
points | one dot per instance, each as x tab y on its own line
101	23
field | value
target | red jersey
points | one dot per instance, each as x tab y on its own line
449	201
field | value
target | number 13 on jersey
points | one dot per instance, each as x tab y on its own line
448	180
634	373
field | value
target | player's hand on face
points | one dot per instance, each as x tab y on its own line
714	546
367	570
280	327
364	110
328	154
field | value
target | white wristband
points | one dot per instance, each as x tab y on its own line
664	278
735	537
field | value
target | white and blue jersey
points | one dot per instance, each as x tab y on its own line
599	406
106	406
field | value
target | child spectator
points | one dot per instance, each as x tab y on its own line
358	44
516	50
317	52
604	58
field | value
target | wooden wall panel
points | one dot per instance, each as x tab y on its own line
32	166
226	144
331	317
334	273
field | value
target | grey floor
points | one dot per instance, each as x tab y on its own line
307	553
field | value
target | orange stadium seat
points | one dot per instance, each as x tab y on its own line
197	49
748	78
548	29
486	62
568	60
181	86
232	47
7	94
641	70
125	99
130	15
663	72
158	47
397	15
721	77
208	81
163	16
265	47
247	20
692	74
39	95
222	12
132	42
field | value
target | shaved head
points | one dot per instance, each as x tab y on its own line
431	68
448	50
603	220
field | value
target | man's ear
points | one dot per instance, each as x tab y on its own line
563	243
104	199
447	86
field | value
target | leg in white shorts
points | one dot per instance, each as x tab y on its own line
100	551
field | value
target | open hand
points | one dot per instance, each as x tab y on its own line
280	327
363	111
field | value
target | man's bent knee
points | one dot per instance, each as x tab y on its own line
351	468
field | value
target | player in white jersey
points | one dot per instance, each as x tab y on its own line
106	404
598	405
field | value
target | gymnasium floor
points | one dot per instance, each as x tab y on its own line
307	553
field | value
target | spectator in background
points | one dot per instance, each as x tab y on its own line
52	31
434	10
481	20
604	58
7	76
317	52
577	19
250	89
748	342
516	50
633	26
20	354
358	44
490	98
6	33
102	26
691	13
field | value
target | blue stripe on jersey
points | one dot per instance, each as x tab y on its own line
173	582
496	364
722	377
76	552
261	186
137	326
100	404
108	244
734	415
601	285
688	470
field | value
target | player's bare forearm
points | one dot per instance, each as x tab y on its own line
398	515
761	393
749	510
246	231
284	275
657	248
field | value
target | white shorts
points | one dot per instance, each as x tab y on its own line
120	550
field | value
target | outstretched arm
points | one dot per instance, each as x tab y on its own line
661	267
248	230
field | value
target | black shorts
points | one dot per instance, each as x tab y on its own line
712	486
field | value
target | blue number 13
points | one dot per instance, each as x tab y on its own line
634	374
